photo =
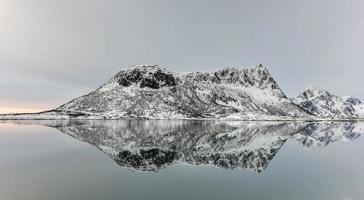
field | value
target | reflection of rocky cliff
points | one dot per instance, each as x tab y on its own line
153	145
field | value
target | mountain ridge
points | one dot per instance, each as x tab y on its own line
156	93
233	93
323	103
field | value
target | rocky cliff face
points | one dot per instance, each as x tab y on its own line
155	93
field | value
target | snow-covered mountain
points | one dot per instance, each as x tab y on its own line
357	105
353	101
153	92
326	105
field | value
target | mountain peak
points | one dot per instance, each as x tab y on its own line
258	77
352	100
144	67
261	67
322	103
314	92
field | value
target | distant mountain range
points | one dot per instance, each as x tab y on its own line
152	92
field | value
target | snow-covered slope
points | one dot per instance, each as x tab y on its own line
155	93
357	105
326	105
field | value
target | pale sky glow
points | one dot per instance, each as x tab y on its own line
54	50
10	110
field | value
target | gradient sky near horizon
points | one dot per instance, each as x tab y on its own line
54	50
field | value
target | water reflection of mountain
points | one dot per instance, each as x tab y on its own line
316	135
154	145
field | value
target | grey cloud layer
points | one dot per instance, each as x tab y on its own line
64	48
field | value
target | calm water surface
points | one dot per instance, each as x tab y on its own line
69	160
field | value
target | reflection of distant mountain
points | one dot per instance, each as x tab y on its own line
321	134
153	145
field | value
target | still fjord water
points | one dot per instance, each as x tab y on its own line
57	160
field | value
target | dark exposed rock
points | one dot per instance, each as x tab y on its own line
134	76
173	89
126	158
151	79
124	82
274	86
145	158
165	79
149	82
76	114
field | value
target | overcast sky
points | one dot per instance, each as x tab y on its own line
52	51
